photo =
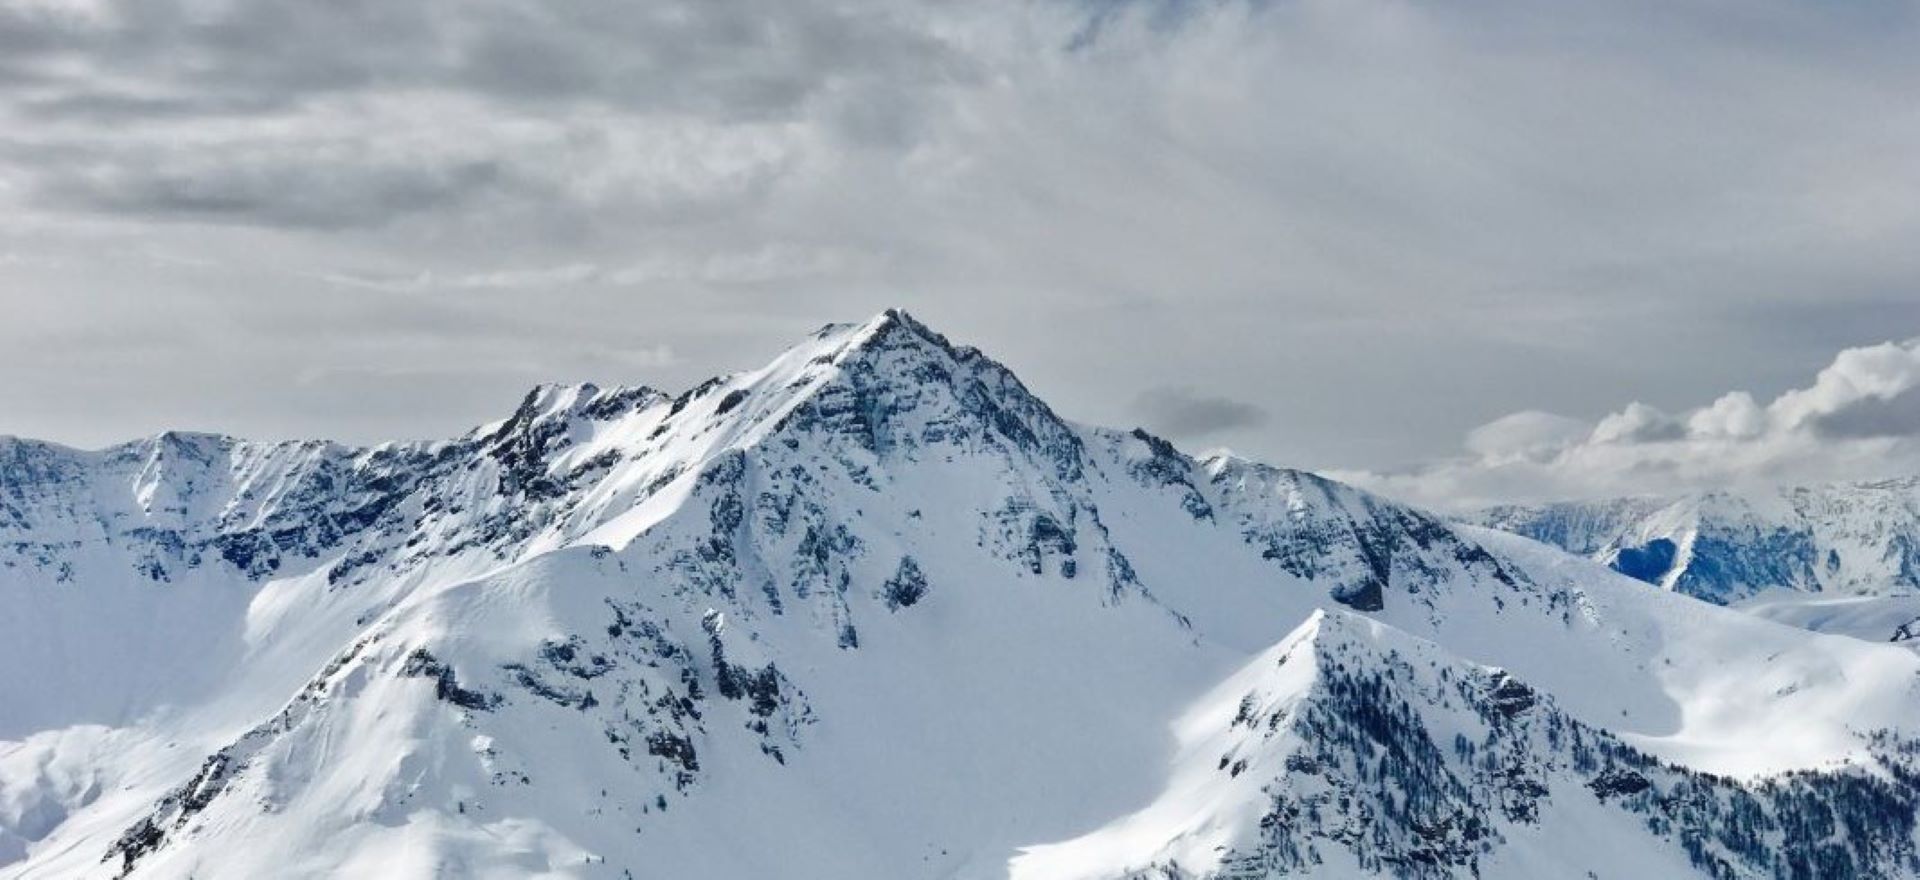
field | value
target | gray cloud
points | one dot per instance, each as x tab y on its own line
735	60
281	185
350	115
1186	413
1378	218
1897	415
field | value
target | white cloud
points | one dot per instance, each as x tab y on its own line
1860	381
1735	416
1859	419
1637	423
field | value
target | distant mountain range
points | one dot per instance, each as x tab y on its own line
1856	539
875	610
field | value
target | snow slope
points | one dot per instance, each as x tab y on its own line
1282	768
1872	618
873	610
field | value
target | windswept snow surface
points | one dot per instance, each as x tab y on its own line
1871	618
875	610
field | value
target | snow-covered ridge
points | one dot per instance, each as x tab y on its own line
578	455
1490	779
1845	538
873	610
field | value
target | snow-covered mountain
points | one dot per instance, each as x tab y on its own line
875	610
1853	539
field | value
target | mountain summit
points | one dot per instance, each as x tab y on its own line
876	610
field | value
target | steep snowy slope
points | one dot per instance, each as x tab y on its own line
1847	538
1353	748
873	610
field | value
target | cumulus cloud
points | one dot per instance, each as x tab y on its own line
1859	419
1867	392
1638	423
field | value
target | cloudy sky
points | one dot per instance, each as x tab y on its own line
1455	250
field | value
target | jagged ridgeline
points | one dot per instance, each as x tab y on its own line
876	610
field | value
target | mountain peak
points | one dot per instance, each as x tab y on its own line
890	329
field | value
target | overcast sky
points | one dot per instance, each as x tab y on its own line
1355	235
